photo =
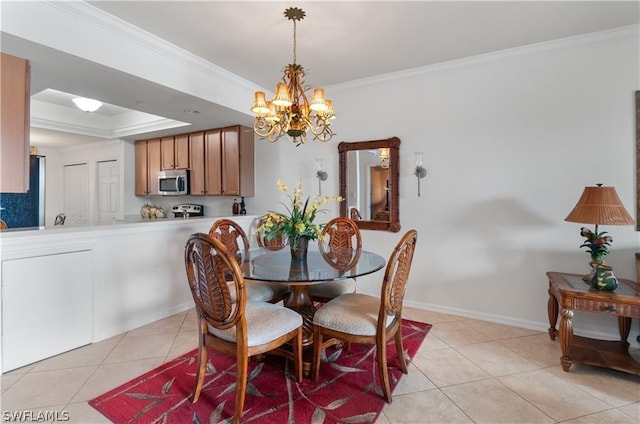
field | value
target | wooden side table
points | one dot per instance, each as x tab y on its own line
570	292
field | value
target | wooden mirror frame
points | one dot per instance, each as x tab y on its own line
638	161
393	144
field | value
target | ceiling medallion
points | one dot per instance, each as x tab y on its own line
289	112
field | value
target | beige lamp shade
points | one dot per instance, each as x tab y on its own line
601	206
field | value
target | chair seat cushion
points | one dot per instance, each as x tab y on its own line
353	313
258	291
265	322
332	289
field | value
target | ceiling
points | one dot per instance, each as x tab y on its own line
337	43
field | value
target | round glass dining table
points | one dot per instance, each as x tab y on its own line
261	264
277	266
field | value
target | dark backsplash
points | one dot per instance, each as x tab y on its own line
22	209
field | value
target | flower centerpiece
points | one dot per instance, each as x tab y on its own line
298	225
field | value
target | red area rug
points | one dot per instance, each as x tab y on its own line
347	390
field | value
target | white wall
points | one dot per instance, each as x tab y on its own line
90	154
510	141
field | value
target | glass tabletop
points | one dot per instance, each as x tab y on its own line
277	266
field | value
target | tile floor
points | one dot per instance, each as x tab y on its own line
466	371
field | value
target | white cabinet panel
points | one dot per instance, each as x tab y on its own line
46	306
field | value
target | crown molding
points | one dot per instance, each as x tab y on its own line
516	54
135	129
120	28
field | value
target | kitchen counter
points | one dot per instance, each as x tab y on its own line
129	223
103	279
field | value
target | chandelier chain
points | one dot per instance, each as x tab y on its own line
294	42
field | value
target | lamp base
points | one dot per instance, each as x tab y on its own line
601	277
593	264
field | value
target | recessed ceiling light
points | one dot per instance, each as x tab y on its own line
87	105
192	111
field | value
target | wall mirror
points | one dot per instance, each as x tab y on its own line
369	174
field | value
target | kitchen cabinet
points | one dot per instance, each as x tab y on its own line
197	170
14	124
148	164
222	162
213	162
237	161
175	152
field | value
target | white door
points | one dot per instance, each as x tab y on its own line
76	193
108	189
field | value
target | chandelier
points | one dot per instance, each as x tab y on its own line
289	112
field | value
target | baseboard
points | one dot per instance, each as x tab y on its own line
542	326
140	321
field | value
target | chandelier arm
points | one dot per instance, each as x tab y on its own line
265	129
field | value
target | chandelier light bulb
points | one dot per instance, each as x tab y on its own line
260	106
282	97
318	102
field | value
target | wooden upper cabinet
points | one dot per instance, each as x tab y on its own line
213	162
220	161
142	180
237	144
197	173
166	152
175	152
153	164
14	124
148	156
181	151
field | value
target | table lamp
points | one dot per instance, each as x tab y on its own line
600	206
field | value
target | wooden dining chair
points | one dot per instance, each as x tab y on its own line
272	243
360	318
60	219
231	324
340	244
233	237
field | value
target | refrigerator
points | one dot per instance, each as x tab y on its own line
21	210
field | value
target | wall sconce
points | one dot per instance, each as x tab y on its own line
321	174
420	172
384	157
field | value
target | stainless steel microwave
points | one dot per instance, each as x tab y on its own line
173	182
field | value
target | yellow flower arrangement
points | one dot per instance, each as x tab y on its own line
298	223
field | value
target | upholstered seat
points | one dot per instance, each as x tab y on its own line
340	244
332	289
236	241
265	322
235	327
360	318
